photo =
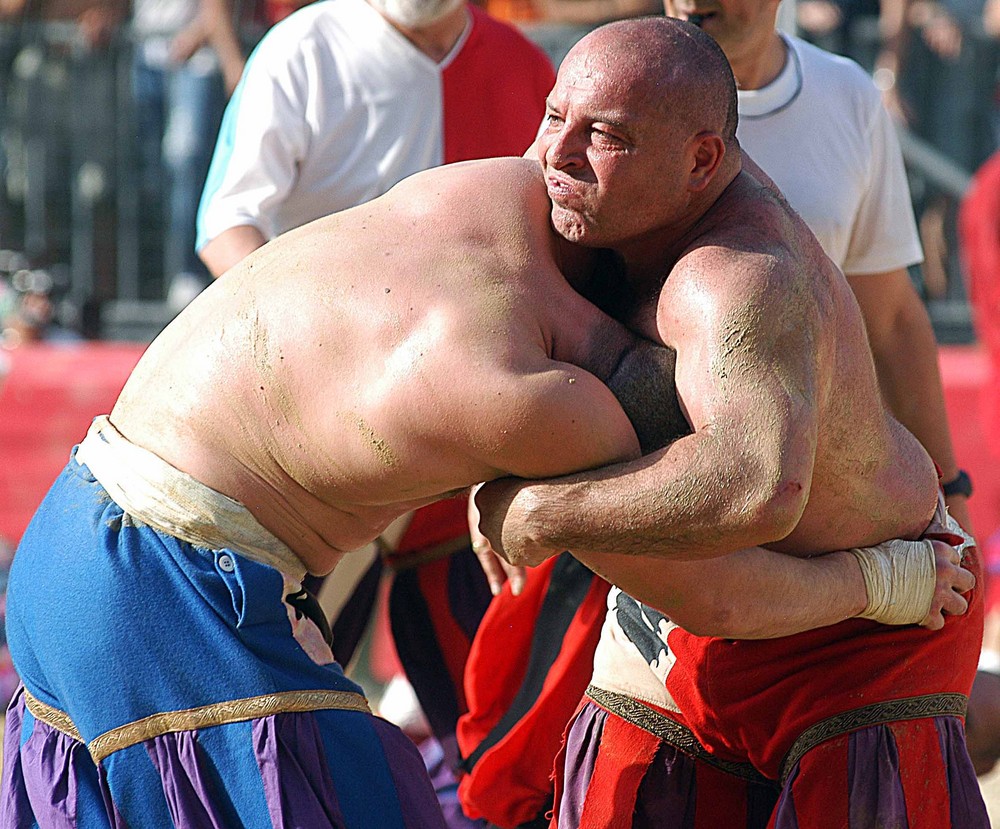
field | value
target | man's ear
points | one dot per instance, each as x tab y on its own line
708	150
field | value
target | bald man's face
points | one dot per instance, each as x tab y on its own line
614	160
736	25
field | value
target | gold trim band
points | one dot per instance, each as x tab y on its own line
672	733
51	716
206	716
222	713
682	738
895	710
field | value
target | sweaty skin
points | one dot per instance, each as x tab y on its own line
383	357
386	356
791	447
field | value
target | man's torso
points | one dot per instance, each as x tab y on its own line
373	361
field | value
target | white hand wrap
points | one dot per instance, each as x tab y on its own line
900	577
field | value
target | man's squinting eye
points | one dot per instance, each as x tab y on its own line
607	137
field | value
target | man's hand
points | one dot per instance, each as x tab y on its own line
496	569
952	581
506	518
913	582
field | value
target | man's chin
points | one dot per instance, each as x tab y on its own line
569	224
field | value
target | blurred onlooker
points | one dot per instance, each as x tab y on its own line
938	72
937	69
344	98
28	303
96	20
59	127
186	58
979	234
839	25
556	25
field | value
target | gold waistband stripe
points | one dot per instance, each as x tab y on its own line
51	716
880	713
671	732
206	716
683	739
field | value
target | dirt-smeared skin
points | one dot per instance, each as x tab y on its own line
383	357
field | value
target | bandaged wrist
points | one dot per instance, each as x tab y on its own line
900	577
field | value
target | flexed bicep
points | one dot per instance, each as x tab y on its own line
746	374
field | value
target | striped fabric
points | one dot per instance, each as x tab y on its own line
903	775
519	709
271	771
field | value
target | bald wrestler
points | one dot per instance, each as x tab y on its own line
349	371
854	724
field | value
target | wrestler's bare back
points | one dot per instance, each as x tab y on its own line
758	264
380	358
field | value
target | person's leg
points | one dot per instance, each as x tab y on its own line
915	774
194	102
435	609
519	708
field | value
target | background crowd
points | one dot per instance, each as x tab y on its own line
109	114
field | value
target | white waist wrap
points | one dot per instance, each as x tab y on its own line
153	492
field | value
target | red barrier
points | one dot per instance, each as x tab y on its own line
52	393
49	396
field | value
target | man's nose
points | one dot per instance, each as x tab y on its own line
563	150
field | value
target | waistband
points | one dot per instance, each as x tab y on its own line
206	716
155	493
682	738
670	732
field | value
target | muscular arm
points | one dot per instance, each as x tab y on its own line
230	247
740	480
751	594
760	594
905	352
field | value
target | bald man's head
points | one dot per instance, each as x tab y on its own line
671	64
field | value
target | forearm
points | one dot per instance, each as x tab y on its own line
222	35
691	501
230	247
752	594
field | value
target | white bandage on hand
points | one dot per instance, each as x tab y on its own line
900	577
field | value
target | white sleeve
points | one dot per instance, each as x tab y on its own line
263	138
884	236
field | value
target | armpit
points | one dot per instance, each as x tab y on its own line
643	382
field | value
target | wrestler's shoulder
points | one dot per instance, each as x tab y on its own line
473	192
500	172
